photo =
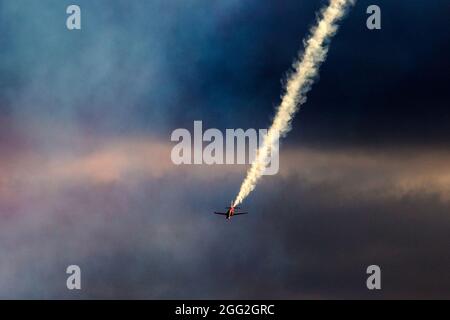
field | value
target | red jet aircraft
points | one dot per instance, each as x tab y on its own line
231	211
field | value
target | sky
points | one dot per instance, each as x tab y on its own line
86	176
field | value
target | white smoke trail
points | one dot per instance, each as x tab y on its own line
297	85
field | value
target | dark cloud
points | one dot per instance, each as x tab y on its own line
153	66
76	187
308	235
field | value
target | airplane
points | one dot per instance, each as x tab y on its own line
231	211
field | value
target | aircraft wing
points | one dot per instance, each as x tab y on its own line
221	213
239	213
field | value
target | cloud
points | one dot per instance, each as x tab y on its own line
140	227
94	160
85	175
373	173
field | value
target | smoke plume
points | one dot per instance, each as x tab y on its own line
297	85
